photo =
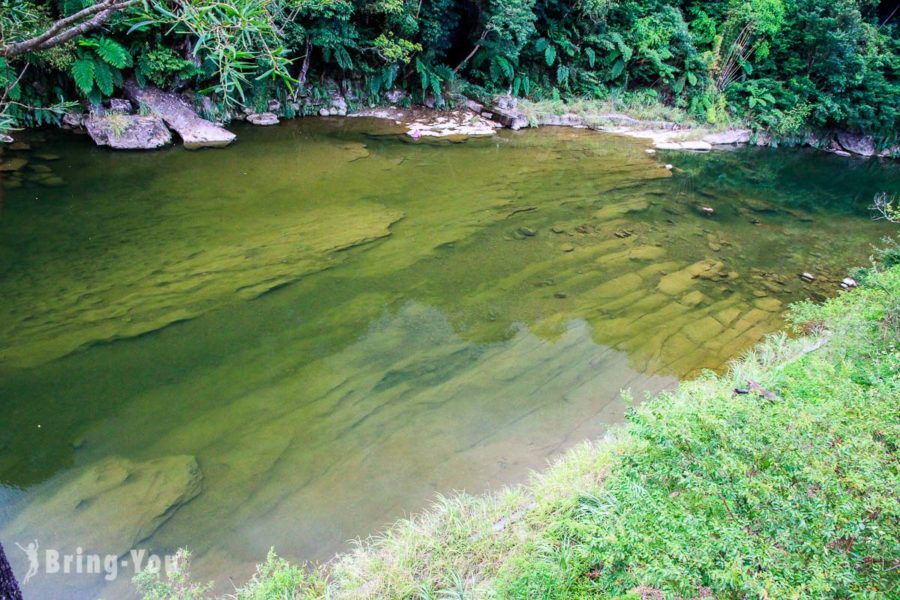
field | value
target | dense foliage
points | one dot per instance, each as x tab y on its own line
783	65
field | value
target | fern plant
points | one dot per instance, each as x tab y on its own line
97	69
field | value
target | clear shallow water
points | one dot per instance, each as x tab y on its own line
299	339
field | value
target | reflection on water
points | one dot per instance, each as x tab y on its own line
299	339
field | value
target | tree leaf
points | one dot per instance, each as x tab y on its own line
83	74
113	53
103	77
692	79
617	69
591	56
550	55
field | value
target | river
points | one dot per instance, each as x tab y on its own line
295	341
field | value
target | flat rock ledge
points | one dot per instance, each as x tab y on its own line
417	123
195	131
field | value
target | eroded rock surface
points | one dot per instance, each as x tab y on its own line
128	132
264	119
108	506
195	131
728	138
863	145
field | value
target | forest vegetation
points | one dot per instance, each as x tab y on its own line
784	66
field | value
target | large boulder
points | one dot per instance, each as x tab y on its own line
860	144
128	132
195	131
508	117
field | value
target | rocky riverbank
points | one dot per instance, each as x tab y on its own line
144	120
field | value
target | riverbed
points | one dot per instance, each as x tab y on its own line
295	341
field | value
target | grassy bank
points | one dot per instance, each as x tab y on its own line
787	491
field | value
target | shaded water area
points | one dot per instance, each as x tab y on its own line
299	339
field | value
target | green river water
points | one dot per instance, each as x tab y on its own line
296	340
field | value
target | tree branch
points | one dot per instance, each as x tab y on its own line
68	28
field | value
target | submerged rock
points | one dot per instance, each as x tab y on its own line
128	132
12	164
195	131
108	506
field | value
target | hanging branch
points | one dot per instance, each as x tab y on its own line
65	29
472	53
9	587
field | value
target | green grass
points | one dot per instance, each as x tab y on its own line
790	491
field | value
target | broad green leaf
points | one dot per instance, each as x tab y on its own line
550	55
113	53
103	77
617	69
83	74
